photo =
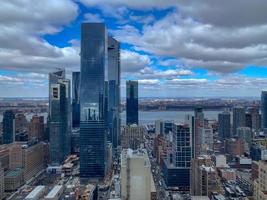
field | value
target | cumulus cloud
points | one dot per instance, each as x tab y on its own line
22	27
132	61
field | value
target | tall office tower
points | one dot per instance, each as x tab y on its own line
114	73
59	118
224	125
176	167
190	120
93	132
206	140
76	76
239	118
260	186
2	182
264	109
20	122
255	119
132	137
245	133
36	128
199	123
204	178
136	177
248	120
8	127
159	127
132	102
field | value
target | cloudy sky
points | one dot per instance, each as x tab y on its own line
175	48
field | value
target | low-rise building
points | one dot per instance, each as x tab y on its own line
13	179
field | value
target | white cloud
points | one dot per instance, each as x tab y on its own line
132	61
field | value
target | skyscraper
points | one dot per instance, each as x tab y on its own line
239	119
224	125
131	102
59	118
199	123
114	70
176	168
8	127
255	118
93	135
264	109
76	99
36	128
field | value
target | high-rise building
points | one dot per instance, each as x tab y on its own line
255	118
260	184
131	102
239	118
76	99
204	178
93	131
245	134
114	71
248	120
159	127
264	109
132	137
59	118
136	178
2	183
8	127
176	167
206	140
36	128
20	122
224	125
199	123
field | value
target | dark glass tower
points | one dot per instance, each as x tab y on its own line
239	119
59	117
92	120
114	90
76	99
132	102
264	109
224	125
8	127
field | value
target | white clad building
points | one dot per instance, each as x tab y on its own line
136	180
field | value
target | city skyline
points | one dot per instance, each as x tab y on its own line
215	55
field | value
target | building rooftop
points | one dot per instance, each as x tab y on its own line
36	191
14	173
54	191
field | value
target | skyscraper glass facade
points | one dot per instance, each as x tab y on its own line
114	90
59	118
92	119
131	102
8	127
76	99
264	109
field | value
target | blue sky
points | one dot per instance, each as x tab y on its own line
174	48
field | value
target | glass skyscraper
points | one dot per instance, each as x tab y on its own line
239	119
59	118
131	102
176	167
264	109
92	120
76	99
114	70
224	128
8	127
